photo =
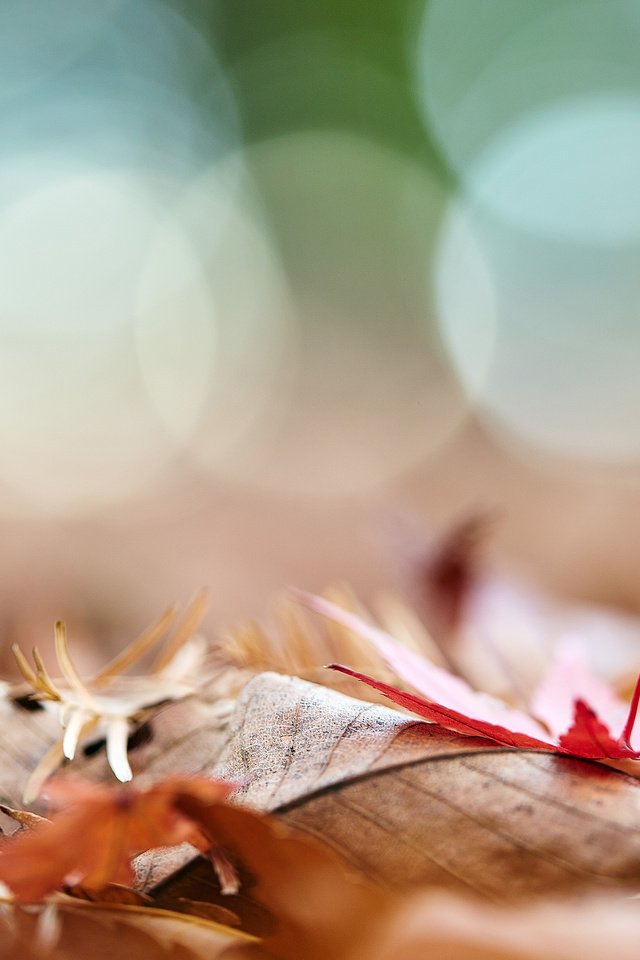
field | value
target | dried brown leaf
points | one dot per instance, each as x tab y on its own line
404	801
208	911
319	909
315	904
410	803
74	931
111	893
24	818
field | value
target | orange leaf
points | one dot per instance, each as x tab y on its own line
93	841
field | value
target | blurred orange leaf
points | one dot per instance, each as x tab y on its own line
92	841
67	930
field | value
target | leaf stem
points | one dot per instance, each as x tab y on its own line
625	737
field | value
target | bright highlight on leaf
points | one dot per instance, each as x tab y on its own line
450	702
111	705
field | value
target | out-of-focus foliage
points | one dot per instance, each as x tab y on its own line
288	260
253	240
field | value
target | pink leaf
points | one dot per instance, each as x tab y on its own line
439	685
568	680
453	704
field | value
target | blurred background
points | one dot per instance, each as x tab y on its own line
271	273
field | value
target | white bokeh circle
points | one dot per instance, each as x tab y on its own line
75	426
228	289
569	172
546	337
536	108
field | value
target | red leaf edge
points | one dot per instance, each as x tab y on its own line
588	737
446	717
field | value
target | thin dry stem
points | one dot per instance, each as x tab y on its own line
40	681
25	818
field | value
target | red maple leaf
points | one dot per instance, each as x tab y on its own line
577	710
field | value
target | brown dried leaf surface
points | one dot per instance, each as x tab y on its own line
410	803
27	734
313	906
318	909
445	927
71	931
404	801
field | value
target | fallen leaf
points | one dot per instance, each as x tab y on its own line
408	802
111	893
320	909
91	842
23	818
567	680
496	630
75	931
404	801
316	906
208	911
455	705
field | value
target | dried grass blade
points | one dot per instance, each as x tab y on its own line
67	667
137	648
190	622
25	667
45	681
